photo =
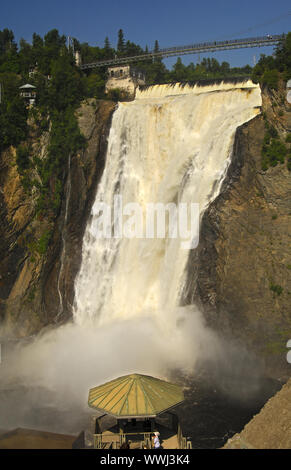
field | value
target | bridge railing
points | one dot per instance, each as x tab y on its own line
266	39
253	42
269	40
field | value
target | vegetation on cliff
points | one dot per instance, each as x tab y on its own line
59	92
49	65
270	69
274	151
273	72
47	134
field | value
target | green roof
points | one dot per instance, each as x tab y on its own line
135	395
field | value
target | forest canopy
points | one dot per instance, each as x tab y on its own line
49	61
49	64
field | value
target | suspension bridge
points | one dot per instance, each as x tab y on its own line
199	48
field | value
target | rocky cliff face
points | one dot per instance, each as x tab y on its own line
36	288
242	265
269	429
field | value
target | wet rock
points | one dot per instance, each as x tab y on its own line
269	429
242	264
33	292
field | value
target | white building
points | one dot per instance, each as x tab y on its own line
78	58
28	92
125	78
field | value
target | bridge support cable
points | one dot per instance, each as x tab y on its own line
192	49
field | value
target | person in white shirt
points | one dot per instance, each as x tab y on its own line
156	439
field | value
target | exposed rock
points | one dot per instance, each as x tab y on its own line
16	213
242	264
86	170
271	428
34	290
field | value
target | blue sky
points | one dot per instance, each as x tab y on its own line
170	22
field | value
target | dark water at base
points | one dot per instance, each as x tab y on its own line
209	415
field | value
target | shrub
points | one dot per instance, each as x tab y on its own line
276	152
270	78
276	289
273	150
22	158
43	241
118	95
13	123
273	132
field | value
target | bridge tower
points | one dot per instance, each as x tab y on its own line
78	58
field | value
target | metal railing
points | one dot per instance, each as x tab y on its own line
28	94
115	441
183	442
191	49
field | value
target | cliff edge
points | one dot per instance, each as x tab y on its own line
243	262
40	256
269	429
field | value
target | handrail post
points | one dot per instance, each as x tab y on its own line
97	441
122	438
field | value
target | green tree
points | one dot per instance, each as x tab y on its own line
156	50
267	69
156	46
156	72
53	44
22	158
26	57
94	85
283	56
131	49
121	42
13	112
108	52
271	78
37	42
7	42
8	52
66	87
13	122
179	73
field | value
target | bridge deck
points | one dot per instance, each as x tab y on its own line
192	49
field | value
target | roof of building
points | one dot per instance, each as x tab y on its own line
27	85
22	438
135	395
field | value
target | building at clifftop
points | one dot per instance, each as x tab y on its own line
28	93
125	78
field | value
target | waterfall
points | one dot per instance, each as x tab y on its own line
171	144
63	235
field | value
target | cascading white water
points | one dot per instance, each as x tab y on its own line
63	235
172	144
